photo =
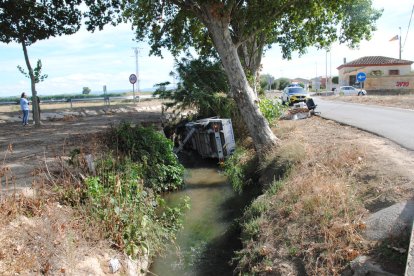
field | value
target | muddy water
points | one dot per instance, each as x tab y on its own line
206	243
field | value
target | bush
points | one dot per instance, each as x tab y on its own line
235	168
127	212
203	85
283	82
271	110
160	167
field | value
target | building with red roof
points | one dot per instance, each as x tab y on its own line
383	74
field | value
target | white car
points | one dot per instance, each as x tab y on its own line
350	90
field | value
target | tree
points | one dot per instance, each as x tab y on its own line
283	82
26	22
239	32
86	90
335	80
266	81
202	84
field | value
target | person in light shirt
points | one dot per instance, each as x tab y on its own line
24	105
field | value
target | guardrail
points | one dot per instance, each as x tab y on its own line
106	100
9	103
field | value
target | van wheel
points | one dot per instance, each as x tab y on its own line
360	93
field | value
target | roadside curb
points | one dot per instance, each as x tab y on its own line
409	268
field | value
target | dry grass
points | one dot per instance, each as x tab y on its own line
6	176
312	215
40	236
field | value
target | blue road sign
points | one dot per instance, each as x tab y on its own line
133	78
361	77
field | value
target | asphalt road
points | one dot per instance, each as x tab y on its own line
392	123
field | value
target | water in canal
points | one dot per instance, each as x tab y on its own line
206	243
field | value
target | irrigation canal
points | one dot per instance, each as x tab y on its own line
206	243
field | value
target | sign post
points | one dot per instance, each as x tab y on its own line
361	77
133	80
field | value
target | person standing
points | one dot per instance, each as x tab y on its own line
24	105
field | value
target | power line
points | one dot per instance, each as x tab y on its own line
409	23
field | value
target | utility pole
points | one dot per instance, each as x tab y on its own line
330	70
400	42
136	51
326	70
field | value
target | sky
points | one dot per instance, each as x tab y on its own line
107	57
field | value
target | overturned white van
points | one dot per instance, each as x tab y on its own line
211	138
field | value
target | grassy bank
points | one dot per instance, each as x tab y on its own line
309	218
101	200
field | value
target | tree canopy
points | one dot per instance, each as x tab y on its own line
86	90
238	32
27	21
30	21
292	24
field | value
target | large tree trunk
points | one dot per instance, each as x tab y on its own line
242	93
35	103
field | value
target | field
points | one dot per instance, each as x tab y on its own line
32	147
65	105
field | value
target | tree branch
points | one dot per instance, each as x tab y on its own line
280	12
188	5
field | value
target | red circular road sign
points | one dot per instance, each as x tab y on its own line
133	78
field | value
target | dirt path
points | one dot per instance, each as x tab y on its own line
23	149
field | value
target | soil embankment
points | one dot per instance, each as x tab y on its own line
38	234
312	220
23	149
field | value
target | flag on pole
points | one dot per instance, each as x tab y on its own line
394	38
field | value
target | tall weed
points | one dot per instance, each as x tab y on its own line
234	168
272	110
160	166
135	218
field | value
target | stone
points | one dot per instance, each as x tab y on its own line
390	222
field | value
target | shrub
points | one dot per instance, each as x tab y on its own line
160	167
203	85
127	212
235	168
271	110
